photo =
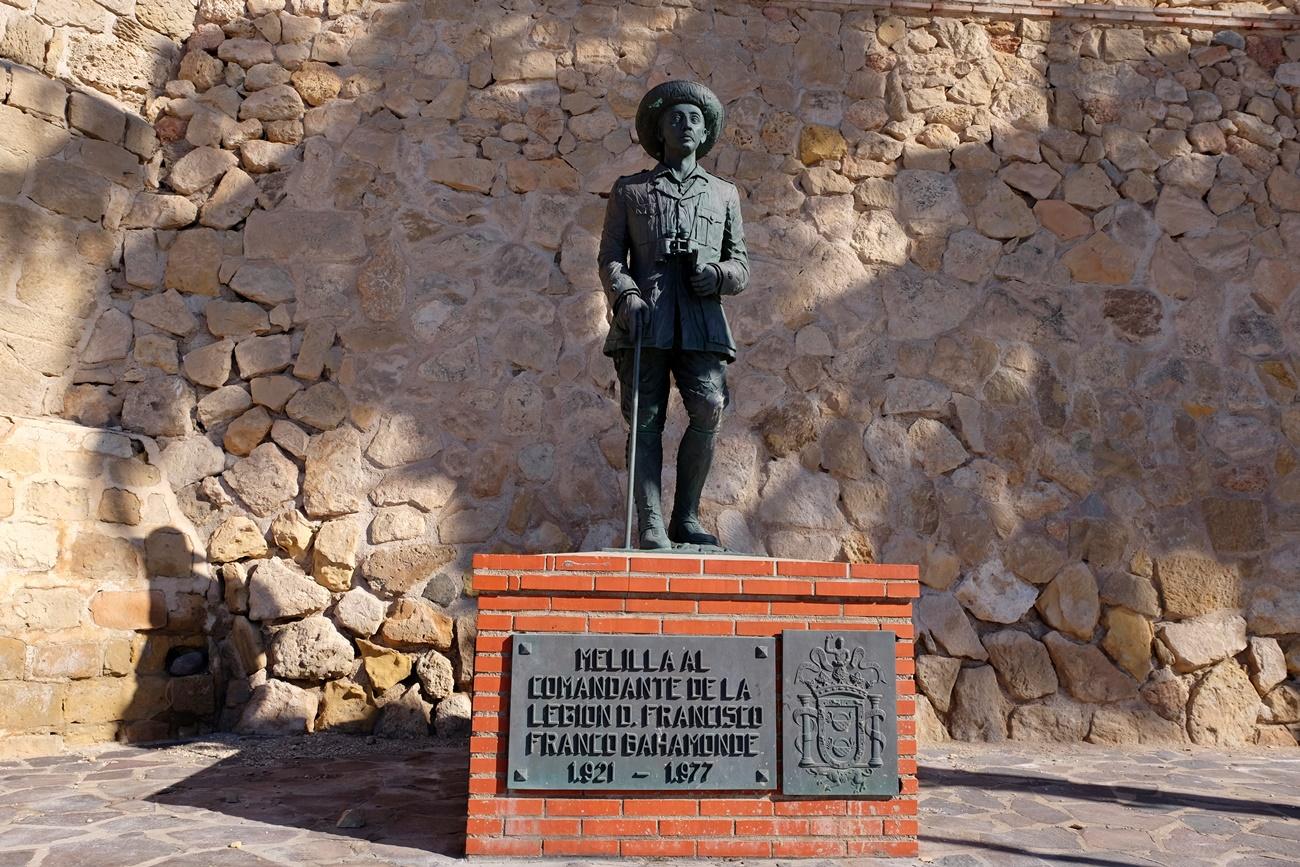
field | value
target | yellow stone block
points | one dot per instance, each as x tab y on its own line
30	706
385	667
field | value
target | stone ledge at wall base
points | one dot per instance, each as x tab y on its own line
623	595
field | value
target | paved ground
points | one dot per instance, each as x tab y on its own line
258	802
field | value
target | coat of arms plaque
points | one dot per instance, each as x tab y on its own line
840	713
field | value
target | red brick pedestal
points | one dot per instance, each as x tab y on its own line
679	595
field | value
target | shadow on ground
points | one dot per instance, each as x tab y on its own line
395	793
1124	795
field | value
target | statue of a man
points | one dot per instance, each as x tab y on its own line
672	247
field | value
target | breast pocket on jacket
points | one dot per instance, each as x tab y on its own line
641	225
708	227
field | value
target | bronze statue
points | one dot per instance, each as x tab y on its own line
672	247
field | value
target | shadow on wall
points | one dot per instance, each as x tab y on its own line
1021	312
70	165
104	627
104	632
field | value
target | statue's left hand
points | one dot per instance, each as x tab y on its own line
705	280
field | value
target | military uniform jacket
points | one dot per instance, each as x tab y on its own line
649	206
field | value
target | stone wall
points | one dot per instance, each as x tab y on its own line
70	166
1022	311
104	607
123	48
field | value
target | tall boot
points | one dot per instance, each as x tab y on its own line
694	457
646	491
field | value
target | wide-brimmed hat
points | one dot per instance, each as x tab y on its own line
665	96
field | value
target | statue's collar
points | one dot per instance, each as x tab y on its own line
662	170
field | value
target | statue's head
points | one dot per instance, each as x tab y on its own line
683	113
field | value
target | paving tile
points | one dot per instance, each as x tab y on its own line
278	801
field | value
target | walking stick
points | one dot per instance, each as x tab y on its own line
636	411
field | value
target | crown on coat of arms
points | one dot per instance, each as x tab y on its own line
835	669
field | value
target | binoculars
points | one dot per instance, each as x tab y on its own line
681	248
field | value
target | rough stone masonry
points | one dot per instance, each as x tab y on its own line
1023	311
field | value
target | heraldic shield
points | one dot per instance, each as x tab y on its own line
840	720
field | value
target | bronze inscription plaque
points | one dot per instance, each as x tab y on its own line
642	712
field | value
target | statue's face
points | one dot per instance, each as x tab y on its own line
681	128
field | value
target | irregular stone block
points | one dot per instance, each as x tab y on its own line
245	433
435	673
323	406
1128	641
279	708
808	500
317	83
236	538
194	262
1022	664
1071	603
232	201
397	524
1133	725
385	667
209	365
1191	585
1223	707
291	533
359	612
818	142
278	589
336	478
199	169
175	18
1204	640
416	623
1283	703
1058	719
264	283
264	480
346	706
69	189
248	53
452	718
186	461
311	649
1267	663
1087	673
979	710
223	404
334	558
159	211
236	319
159	407
995	595
1235	526
935	676
96	117
1166	693
258	356
260	157
320	236
129	609
406	715
942	616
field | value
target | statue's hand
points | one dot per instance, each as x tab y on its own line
633	309
705	280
